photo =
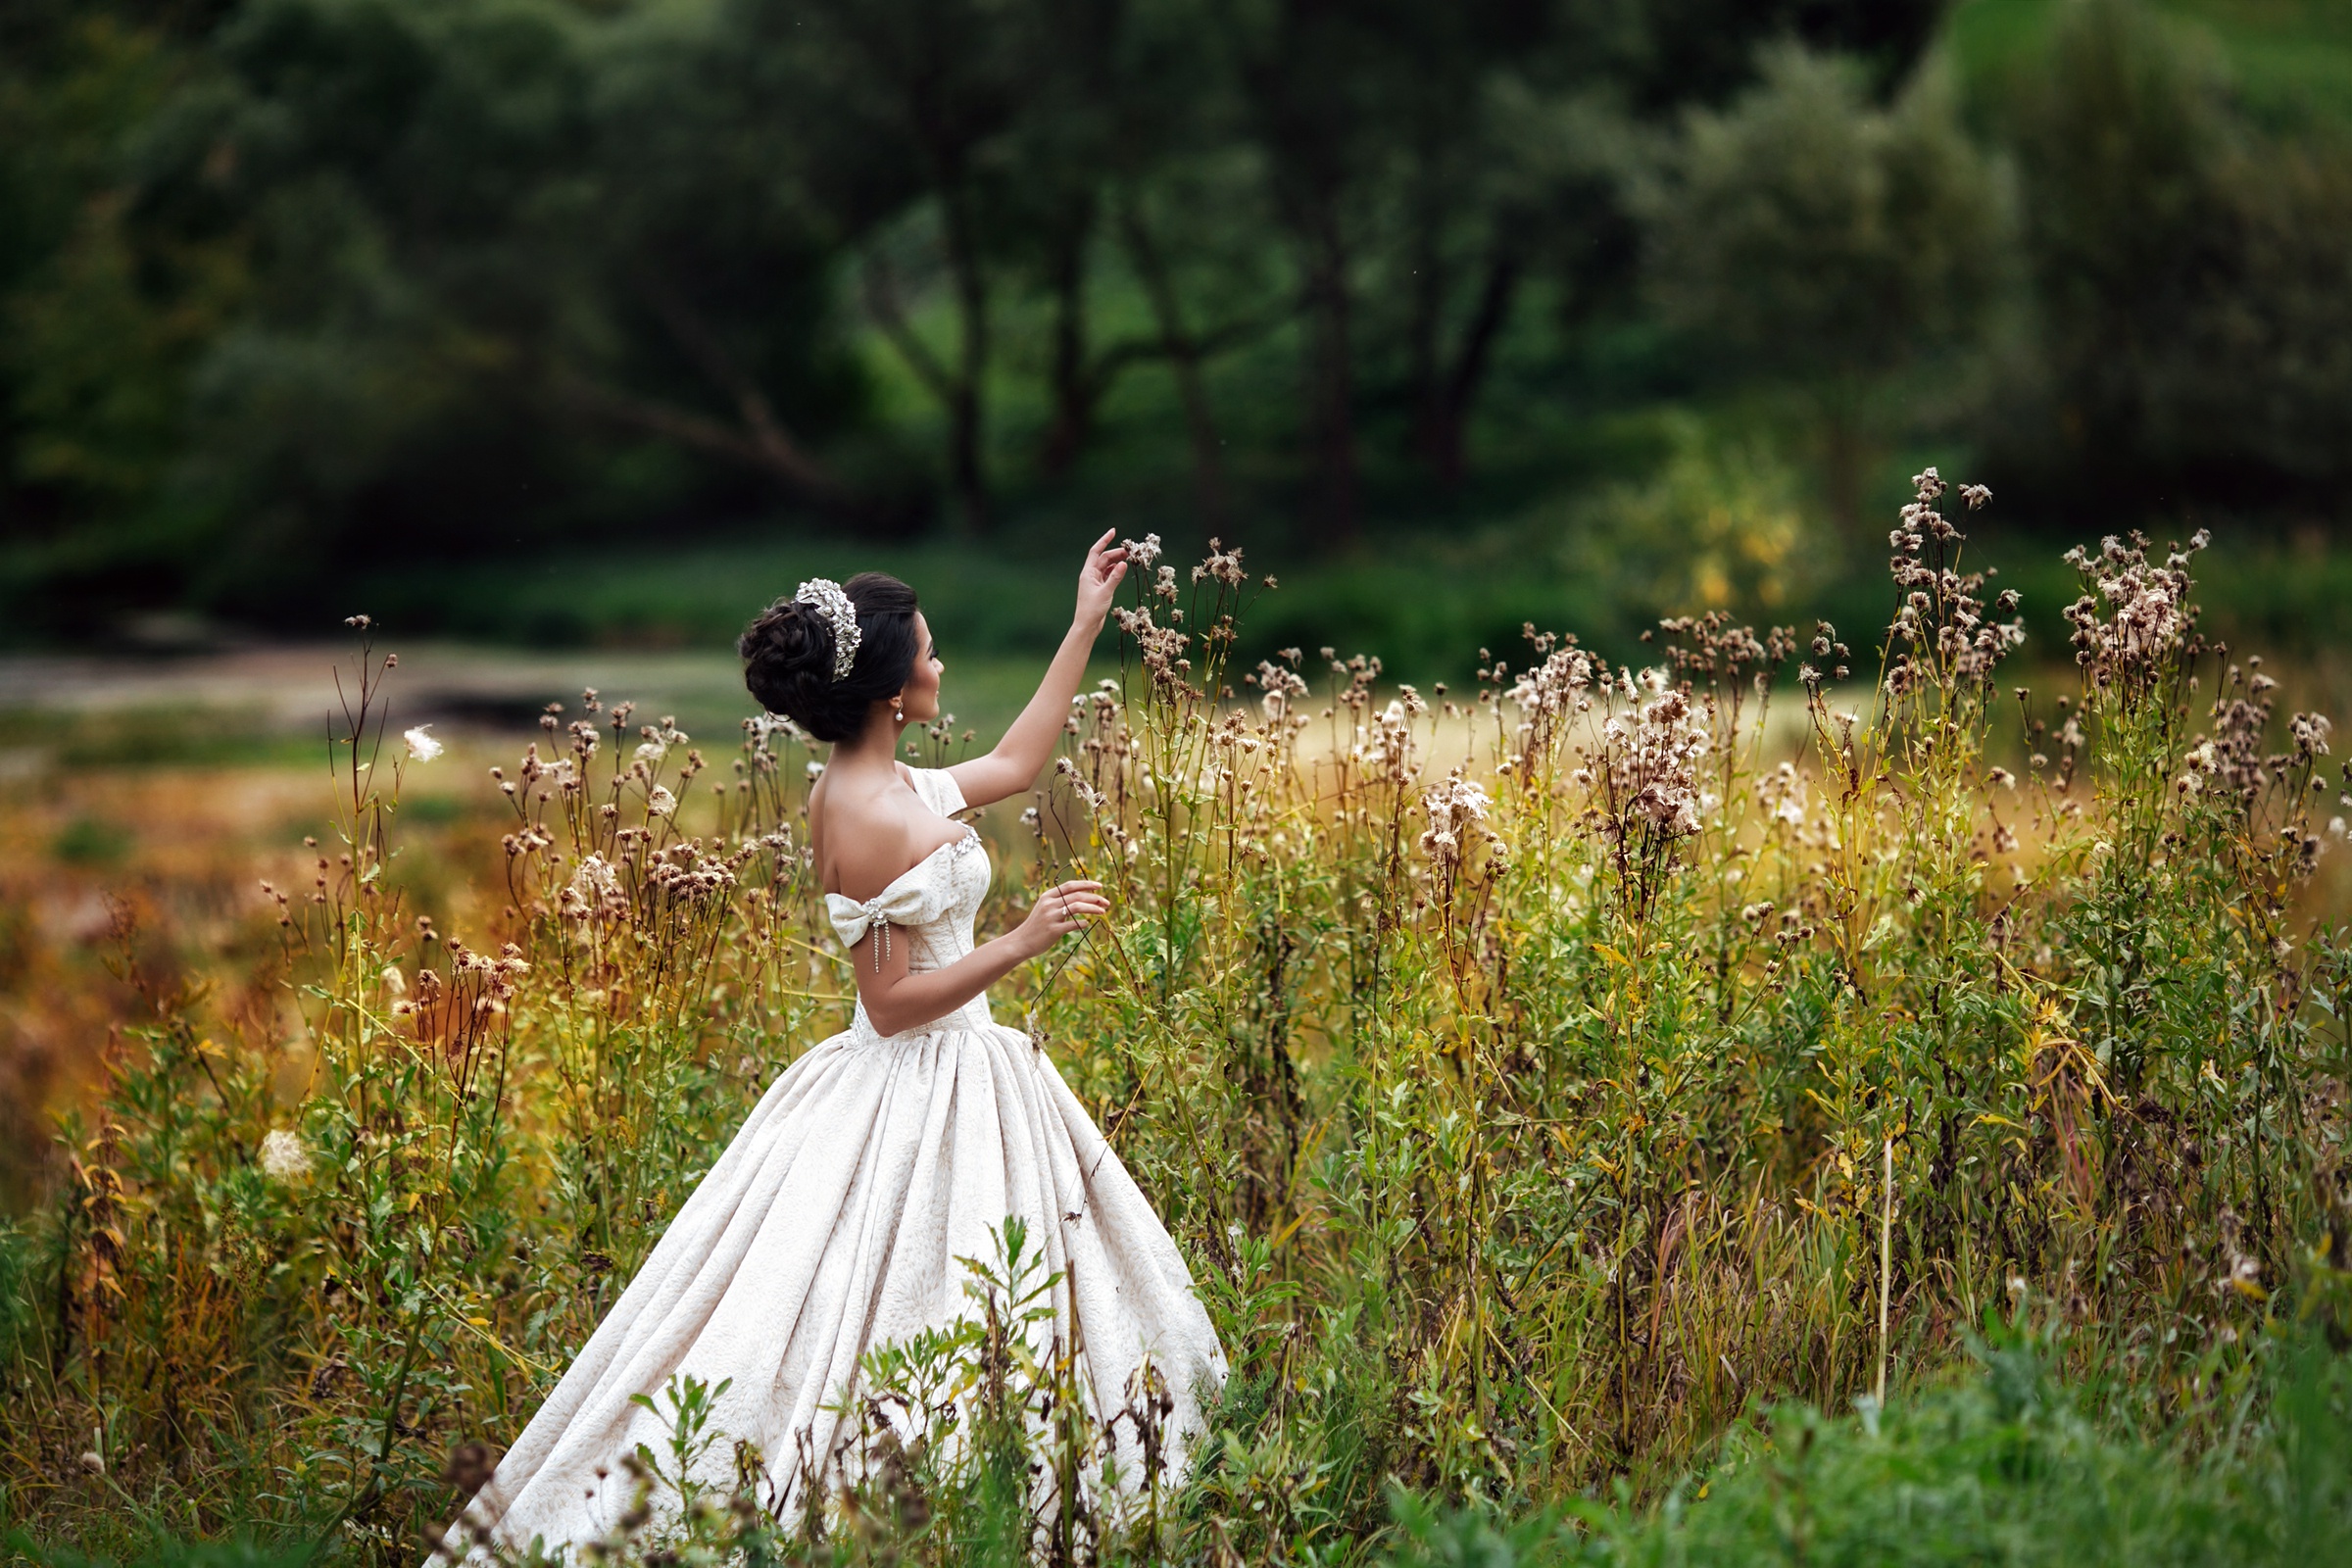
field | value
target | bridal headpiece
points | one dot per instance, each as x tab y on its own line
826	595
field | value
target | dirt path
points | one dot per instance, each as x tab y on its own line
294	684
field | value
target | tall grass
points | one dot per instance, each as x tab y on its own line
1544	1078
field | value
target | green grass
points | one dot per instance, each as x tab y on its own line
190	735
2007	1468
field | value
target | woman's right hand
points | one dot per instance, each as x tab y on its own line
1059	911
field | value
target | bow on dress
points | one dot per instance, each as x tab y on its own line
899	903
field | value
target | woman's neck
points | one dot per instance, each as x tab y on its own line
875	749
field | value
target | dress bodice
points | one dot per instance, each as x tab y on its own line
931	906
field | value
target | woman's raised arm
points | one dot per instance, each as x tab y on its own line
1013	766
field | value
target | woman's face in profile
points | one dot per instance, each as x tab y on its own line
918	699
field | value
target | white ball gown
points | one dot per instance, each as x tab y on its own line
833	1223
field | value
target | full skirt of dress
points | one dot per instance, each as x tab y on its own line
833	1224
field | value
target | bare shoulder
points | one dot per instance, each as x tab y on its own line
873	833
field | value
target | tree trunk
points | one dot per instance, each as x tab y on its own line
1076	388
1446	412
1330	382
1182	351
966	403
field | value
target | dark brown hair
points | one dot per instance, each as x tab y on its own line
788	656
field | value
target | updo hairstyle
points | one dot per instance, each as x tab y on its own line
788	656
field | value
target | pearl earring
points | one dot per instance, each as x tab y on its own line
897	709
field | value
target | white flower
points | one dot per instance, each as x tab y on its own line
283	1156
1455	807
652	752
816	771
660	802
422	748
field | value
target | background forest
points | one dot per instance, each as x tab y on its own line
486	304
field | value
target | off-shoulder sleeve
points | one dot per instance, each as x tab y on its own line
938	789
910	901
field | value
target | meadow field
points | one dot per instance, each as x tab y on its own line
1857	1092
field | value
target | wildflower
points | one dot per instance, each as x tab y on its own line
1221	566
653	751
1140	554
816	771
1652	765
1280	686
422	748
2148	623
595	880
283	1157
1454	806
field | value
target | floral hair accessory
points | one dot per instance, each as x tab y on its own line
826	595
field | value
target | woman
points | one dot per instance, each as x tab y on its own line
833	1222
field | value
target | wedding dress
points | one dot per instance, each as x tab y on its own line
832	1224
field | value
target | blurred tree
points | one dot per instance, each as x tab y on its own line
1316	82
1479	175
288	284
1130	163
1825	243
481	237
98	327
2193	276
1125	89
930	88
1673	54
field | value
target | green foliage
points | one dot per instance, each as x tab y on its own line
299	288
1821	235
2191	271
1827	241
1721	526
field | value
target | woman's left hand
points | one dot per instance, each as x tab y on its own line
1105	564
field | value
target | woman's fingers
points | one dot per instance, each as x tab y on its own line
1104	561
1068	906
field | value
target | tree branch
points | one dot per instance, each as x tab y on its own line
881	296
774	446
